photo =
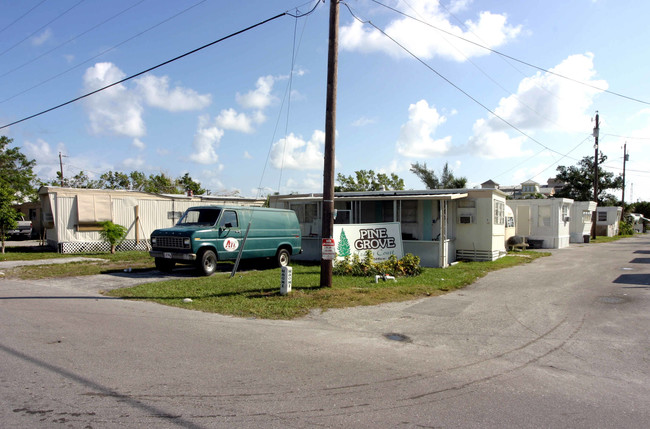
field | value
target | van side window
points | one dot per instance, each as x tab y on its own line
229	220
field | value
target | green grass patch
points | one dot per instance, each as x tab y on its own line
257	293
109	263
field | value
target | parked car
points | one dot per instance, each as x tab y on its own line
23	229
207	234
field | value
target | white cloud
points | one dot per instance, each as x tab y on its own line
247	155
206	140
544	102
229	119
39	39
138	144
155	91
133	163
416	136
308	183
294	153
491	30
114	110
363	121
260	97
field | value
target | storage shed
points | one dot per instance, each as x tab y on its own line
439	226
71	216
544	222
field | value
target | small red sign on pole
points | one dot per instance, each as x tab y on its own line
328	251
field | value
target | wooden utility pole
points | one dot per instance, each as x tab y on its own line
625	158
61	166
595	134
327	229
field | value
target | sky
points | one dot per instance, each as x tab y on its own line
500	90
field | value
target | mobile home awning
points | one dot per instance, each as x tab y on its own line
450	196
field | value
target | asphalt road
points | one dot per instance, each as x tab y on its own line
562	342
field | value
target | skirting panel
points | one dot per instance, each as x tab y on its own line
100	246
478	255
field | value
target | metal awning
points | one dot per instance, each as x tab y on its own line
449	196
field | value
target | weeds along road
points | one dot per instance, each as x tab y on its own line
561	342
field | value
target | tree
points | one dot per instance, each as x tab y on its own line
187	184
8	215
16	172
447	179
367	180
344	245
112	233
579	181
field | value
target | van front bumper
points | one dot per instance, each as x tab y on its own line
173	255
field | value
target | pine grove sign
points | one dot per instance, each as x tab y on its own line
383	239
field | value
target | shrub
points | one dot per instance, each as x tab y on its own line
625	228
353	265
112	233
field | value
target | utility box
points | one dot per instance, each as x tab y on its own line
287	274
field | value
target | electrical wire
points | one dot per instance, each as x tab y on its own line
71	39
505	121
147	70
508	56
22	16
103	52
42	27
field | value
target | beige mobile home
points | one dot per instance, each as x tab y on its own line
71	216
544	222
581	220
607	219
439	226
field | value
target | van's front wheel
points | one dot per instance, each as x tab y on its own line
282	258
208	263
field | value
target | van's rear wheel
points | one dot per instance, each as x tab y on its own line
208	263
164	265
282	258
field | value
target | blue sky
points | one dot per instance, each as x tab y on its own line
248	114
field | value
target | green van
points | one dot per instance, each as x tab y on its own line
207	234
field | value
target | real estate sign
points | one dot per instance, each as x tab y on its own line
383	239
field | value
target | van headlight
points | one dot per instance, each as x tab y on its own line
186	242
153	241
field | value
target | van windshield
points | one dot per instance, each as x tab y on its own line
207	217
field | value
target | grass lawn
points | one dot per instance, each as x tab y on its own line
257	293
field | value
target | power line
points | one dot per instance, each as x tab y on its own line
505	121
103	52
22	16
508	56
42	27
72	39
149	69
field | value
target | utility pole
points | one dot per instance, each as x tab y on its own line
61	166
626	157
327	229
595	134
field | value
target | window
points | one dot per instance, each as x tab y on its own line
544	216
602	216
499	212
229	219
207	217
306	213
409	212
565	211
586	216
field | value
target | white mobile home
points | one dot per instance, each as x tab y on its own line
607	219
581	220
71	216
438	226
544	222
